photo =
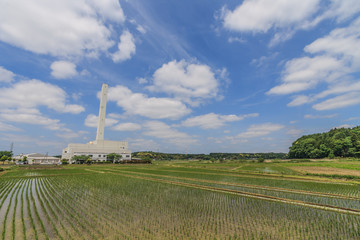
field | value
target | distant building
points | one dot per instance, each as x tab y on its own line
37	158
100	148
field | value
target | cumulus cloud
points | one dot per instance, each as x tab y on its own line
6	75
126	47
92	121
127	127
213	121
34	93
258	130
30	116
285	17
163	131
62	28
303	73
20	103
335	63
186	81
63	69
262	15
151	107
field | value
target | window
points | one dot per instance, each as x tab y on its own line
104	155
99	155
127	155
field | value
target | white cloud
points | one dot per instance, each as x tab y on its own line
30	116
285	17
151	107
341	101
236	39
163	131
258	130
109	9
343	43
261	15
7	127
6	75
126	47
141	29
31	141
69	134
213	121
63	69
342	126
92	121
341	10
304	73
62	28
336	63
143	144
186	81
300	100
295	132
34	93
127	127
309	116
142	80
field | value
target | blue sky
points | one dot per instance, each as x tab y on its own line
184	76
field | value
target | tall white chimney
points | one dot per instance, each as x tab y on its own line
102	113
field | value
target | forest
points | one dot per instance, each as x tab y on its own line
211	156
338	142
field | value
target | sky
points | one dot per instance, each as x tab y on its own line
184	76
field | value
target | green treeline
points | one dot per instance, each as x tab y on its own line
211	156
342	142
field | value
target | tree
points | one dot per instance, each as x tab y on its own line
114	157
3	159
25	159
342	142
6	153
81	159
64	161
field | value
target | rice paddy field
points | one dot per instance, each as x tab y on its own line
179	200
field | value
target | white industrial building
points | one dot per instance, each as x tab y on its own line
37	158
100	148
